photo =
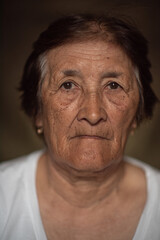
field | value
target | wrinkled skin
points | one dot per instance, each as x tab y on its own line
89	102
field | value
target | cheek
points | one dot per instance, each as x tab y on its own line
122	111
118	100
55	129
65	99
52	118
62	101
58	114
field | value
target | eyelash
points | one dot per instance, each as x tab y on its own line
115	85
69	83
111	85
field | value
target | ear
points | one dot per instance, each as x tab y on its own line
133	127
38	122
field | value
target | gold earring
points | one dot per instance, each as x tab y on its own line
39	130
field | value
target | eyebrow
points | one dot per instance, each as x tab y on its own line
71	73
112	74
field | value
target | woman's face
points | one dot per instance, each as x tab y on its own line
89	102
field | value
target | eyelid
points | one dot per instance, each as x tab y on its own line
113	81
67	81
74	84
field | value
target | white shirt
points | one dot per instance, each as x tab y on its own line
19	210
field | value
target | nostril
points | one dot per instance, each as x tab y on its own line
92	108
92	115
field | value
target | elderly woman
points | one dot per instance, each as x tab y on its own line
86	87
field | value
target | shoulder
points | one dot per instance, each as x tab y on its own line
150	171
152	175
16	178
11	170
18	202
13	175
148	227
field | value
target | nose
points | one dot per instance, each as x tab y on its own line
92	109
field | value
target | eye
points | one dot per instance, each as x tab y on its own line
113	85
67	85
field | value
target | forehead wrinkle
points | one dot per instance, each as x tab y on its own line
57	54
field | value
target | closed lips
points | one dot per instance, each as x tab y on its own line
89	136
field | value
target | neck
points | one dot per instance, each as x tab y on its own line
79	189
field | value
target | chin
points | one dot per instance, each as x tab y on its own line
90	163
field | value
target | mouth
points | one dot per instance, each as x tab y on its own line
96	137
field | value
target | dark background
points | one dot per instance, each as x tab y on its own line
22	21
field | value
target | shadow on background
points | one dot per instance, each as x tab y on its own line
22	22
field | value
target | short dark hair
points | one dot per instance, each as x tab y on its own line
76	28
